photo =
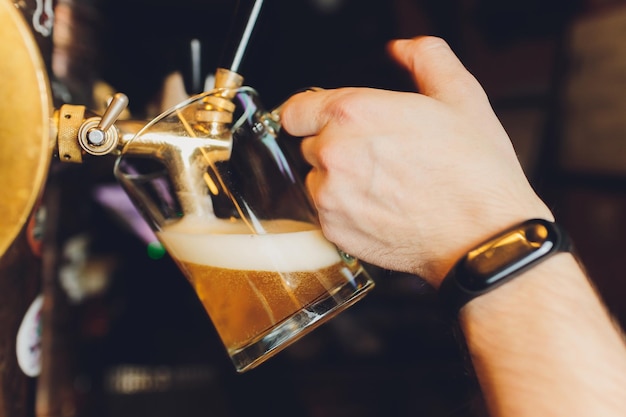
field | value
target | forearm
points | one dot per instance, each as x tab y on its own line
543	344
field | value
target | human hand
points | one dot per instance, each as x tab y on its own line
411	181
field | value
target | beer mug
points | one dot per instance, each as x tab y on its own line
214	182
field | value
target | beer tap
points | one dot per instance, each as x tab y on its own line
187	161
244	21
80	132
227	75
101	139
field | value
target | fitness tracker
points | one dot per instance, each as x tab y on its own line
501	258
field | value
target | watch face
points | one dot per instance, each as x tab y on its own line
514	250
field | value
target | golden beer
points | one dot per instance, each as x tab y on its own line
251	283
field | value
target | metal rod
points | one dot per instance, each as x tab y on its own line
244	21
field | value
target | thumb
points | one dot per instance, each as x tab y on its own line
436	70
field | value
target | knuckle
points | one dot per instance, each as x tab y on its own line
345	107
330	233
430	42
327	157
323	202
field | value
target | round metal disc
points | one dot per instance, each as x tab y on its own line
25	109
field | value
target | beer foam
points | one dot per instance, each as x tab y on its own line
298	246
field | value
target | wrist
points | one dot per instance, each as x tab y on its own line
467	236
543	336
548	285
500	259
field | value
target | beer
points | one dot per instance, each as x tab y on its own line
249	282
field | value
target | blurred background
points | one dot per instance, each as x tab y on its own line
138	343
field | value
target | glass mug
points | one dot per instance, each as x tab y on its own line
219	192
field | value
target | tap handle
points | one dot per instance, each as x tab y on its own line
243	23
118	104
97	135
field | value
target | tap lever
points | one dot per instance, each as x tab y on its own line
97	135
118	104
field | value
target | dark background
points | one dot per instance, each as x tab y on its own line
392	354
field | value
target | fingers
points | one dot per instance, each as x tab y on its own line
303	114
309	148
331	121
437	71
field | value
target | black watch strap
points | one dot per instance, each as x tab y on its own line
501	258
